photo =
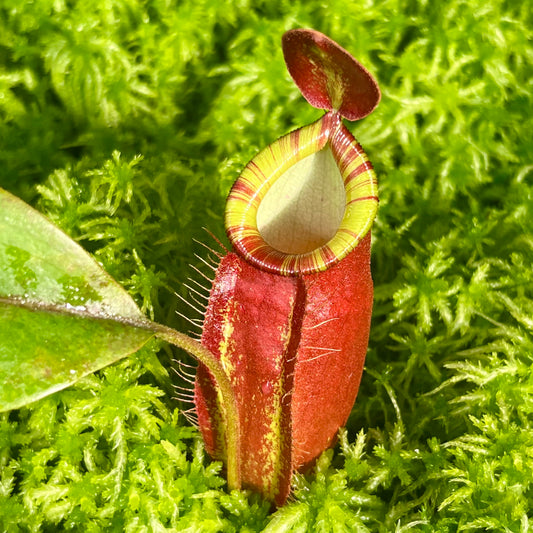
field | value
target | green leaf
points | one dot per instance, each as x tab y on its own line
61	315
41	266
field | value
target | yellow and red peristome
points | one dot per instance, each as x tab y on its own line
250	189
289	311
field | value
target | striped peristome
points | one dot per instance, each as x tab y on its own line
270	164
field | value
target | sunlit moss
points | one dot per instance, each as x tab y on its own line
127	121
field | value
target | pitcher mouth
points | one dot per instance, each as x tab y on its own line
305	202
304	208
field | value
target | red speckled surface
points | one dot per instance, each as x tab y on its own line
295	349
328	76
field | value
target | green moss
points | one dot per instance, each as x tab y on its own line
126	122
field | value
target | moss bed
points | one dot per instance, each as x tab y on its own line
127	121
